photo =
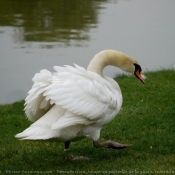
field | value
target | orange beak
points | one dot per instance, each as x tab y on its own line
139	76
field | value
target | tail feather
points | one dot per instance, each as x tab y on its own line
41	129
37	133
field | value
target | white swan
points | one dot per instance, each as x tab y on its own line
74	103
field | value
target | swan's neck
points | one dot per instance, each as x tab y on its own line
110	57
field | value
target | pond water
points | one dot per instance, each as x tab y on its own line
40	34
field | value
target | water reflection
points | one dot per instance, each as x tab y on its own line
37	34
57	21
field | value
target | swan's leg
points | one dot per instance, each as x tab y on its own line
110	144
68	156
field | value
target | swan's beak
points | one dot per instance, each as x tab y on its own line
140	76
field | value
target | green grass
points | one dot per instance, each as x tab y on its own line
146	120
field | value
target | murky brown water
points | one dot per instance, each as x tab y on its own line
40	34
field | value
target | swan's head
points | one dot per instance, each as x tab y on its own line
127	64
118	59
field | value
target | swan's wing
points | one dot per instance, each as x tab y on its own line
85	94
36	104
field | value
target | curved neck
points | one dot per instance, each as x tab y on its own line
109	57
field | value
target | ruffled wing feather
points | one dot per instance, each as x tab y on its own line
36	104
86	97
85	94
